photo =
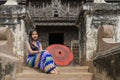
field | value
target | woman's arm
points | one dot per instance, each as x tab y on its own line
30	50
40	48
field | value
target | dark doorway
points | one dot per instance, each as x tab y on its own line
56	38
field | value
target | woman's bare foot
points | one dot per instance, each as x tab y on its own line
54	72
57	69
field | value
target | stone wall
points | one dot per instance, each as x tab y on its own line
97	15
92	30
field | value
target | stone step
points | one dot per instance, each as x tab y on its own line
3	42
65	69
60	76
66	73
74	69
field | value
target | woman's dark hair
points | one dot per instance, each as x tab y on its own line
31	39
30	34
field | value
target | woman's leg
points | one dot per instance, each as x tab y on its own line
49	65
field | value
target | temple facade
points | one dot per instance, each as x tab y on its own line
90	28
55	21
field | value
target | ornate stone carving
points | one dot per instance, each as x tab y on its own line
11	2
99	1
55	8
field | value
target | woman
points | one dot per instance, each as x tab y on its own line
37	57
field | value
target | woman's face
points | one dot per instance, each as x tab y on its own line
34	35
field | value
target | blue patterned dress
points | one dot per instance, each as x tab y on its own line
42	61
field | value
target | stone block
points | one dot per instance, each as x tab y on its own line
105	40
9	67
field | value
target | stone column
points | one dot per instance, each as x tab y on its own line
19	39
118	30
91	34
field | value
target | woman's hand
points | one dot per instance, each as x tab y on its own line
39	51
45	51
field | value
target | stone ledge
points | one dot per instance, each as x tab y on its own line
101	6
110	52
12	9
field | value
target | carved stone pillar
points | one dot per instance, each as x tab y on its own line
91	34
19	39
117	30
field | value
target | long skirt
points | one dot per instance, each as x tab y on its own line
42	61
